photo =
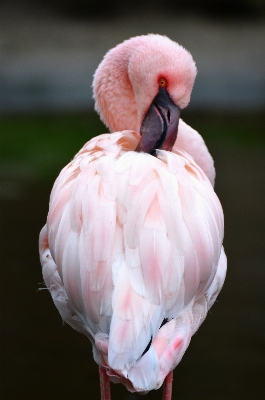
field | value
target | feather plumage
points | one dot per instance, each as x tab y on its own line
152	262
132	249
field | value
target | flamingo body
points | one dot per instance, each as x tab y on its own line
132	248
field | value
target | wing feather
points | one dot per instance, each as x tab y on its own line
134	239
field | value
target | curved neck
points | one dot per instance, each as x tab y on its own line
113	92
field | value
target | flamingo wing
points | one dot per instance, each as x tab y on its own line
131	241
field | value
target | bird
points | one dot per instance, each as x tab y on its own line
132	248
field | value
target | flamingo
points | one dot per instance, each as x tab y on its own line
132	249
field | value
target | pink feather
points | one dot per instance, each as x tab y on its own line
131	239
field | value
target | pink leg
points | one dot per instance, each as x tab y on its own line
167	387
104	384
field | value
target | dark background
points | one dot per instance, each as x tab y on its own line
49	51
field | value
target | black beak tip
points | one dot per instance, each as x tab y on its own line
160	125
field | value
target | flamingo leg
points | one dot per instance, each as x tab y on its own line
104	384
167	387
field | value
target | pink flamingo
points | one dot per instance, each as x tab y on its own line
132	250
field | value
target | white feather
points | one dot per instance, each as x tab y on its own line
130	240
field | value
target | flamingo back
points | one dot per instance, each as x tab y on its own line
132	254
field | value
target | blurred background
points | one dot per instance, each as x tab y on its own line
49	52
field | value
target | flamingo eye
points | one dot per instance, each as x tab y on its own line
162	82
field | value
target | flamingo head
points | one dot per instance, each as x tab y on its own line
141	85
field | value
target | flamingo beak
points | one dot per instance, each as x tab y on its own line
160	125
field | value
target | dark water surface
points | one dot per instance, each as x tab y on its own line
43	359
